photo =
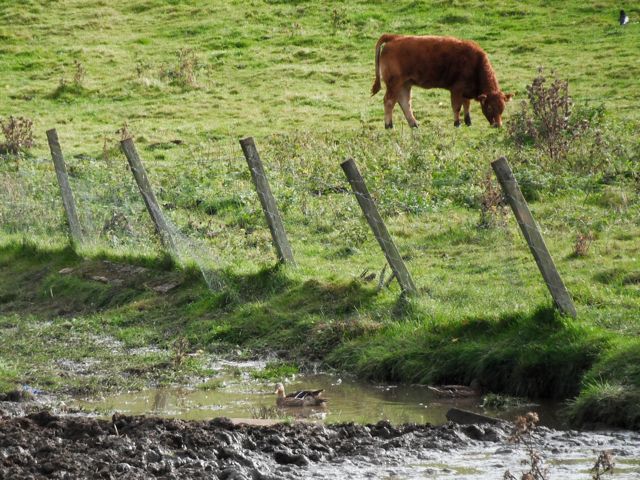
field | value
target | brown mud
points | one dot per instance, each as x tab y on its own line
42	445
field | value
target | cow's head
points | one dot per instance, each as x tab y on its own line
493	105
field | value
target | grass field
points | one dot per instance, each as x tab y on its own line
190	78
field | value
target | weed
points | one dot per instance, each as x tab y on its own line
493	211
184	73
338	20
70	91
211	384
266	413
546	120
582	244
497	401
117	224
142	68
79	73
523	433
110	149
18	134
180	350
604	464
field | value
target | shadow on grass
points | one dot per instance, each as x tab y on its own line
269	309
536	354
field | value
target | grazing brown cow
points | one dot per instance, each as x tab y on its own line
460	66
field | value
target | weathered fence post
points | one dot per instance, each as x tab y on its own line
280	241
65	188
533	237
146	191
378	227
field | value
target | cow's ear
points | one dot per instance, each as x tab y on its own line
508	96
481	98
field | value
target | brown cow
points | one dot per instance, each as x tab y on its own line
460	66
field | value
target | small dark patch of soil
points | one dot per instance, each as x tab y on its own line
16	396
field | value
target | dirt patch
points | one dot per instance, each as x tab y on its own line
42	445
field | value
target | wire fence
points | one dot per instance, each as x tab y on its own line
30	202
214	219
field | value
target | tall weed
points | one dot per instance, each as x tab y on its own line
565	135
18	134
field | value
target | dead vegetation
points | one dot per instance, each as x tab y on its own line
18	134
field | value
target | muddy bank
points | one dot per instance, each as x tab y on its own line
42	445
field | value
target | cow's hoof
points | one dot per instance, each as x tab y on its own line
456	123
388	125
467	120
414	125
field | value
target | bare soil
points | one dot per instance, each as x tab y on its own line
42	445
68	446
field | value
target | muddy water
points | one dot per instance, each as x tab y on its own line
347	401
456	452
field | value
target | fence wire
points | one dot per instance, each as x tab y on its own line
216	221
30	202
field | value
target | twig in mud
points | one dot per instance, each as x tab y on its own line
604	464
523	429
115	427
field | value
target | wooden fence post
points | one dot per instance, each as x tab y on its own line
148	196
378	227
278	234
65	188
532	235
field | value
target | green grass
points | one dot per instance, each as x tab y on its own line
297	76
269	67
276	371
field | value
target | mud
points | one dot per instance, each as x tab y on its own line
42	445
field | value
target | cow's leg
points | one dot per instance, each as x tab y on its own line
404	99
456	105
466	103
389	104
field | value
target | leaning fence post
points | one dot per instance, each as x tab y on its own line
146	191
378	227
278	234
533	237
65	188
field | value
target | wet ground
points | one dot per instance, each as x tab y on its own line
236	394
367	431
42	445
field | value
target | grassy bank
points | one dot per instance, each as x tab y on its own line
483	313
190	78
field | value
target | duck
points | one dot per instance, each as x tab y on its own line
457	391
301	398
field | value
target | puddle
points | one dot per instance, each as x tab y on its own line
238	396
330	450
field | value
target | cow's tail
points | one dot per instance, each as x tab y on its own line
383	39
